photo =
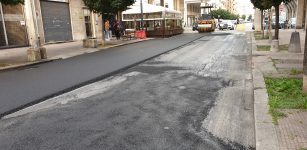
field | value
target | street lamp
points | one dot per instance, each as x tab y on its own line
141	14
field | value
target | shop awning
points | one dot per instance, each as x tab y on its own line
148	8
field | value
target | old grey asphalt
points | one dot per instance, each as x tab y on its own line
21	88
198	97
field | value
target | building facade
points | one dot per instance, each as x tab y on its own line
13	30
50	20
294	9
230	5
297	9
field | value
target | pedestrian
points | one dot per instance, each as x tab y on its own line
117	30
107	30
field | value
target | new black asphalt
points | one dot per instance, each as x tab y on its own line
30	85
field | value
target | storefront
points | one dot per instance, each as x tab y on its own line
157	21
13	31
56	20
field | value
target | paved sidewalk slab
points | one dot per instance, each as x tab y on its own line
292	130
290	66
290	133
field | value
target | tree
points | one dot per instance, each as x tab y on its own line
12	2
224	14
243	17
249	18
267	4
275	4
262	5
107	7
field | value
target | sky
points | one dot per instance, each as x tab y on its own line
245	7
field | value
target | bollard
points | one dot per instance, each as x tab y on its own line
275	46
33	54
295	43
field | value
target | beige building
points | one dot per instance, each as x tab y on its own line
230	5
50	20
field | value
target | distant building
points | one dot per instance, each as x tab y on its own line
230	5
190	9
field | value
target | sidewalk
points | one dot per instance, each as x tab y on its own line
285	36
15	57
290	133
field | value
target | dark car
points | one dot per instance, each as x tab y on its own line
194	26
281	24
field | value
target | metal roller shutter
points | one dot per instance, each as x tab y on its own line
56	21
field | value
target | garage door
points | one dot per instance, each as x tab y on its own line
56	20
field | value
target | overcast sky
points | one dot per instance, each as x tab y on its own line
245	7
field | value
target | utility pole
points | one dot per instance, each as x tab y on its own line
3	25
142	17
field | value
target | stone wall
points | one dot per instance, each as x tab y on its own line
77	18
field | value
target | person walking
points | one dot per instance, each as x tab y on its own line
117	29
107	30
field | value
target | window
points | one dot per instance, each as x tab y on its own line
88	23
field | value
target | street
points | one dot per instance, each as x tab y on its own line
26	86
198	96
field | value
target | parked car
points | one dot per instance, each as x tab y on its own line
231	25
194	27
223	25
281	22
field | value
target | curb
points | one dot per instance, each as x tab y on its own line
265	133
55	58
28	64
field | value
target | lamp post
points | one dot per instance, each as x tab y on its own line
141	14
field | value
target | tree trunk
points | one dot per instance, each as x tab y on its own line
276	37
103	35
305	66
162	3
262	28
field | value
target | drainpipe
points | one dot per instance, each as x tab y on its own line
3	24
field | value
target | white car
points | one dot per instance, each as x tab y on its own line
231	25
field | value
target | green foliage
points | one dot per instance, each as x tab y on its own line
12	2
262	4
249	18
224	14
295	72
285	94
243	17
106	7
258	36
263	48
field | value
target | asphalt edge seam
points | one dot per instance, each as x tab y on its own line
92	80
